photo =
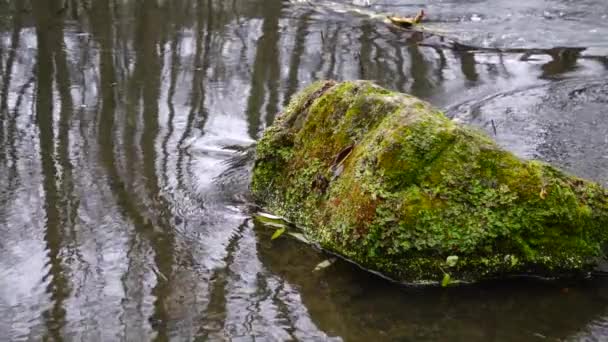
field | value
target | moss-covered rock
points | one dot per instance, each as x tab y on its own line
389	182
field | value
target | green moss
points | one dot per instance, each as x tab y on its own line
417	188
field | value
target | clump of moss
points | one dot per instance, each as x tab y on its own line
387	181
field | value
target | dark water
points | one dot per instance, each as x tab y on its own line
116	117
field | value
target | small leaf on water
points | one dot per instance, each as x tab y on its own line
451	260
269	216
273	224
446	280
277	233
324	264
270	220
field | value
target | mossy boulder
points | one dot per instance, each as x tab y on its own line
387	181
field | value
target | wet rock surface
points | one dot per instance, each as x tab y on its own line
389	182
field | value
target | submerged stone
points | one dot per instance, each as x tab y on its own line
387	181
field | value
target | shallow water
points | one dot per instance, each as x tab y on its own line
117	117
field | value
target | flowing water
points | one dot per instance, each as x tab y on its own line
117	118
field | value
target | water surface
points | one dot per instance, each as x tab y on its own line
117	117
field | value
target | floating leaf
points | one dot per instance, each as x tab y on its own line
269	216
324	264
270	220
451	260
407	21
277	233
446	280
273	224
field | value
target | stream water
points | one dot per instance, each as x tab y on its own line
117	117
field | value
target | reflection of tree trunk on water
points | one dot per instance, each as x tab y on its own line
102	30
334	44
400	63
46	29
380	60
320	66
8	143
148	66
371	66
501	62
467	66
215	315
73	5
197	99
146	73
175	66
274	69
365	50
266	71
421	86
443	63
603	61
135	79
69	202
296	55
8	72
562	61
122	49
12	177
